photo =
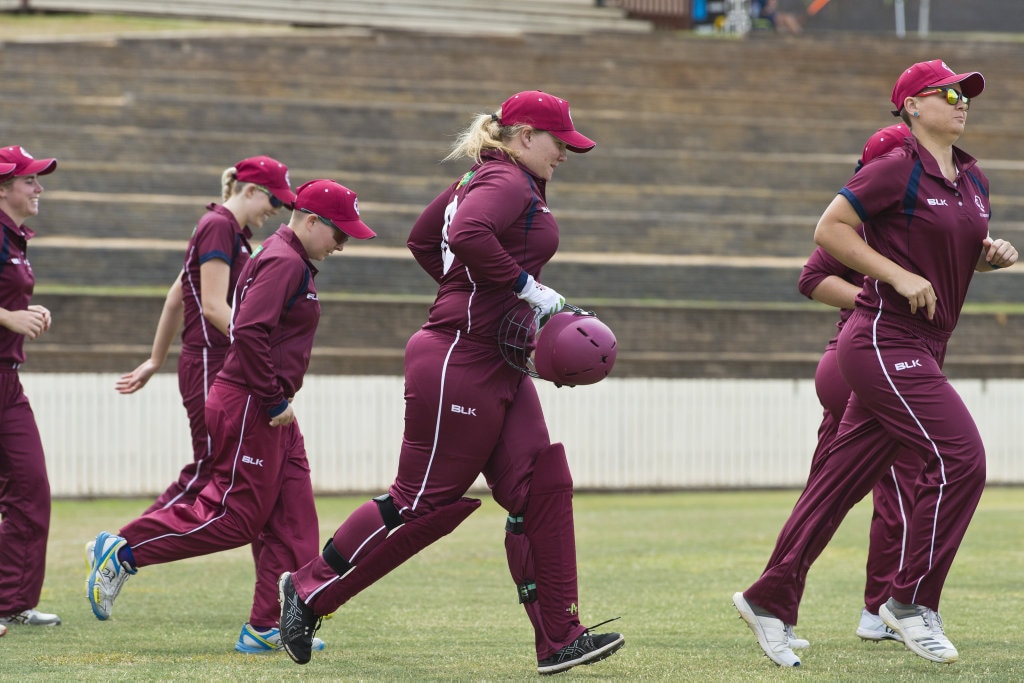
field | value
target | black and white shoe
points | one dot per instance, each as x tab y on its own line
587	649
298	622
32	617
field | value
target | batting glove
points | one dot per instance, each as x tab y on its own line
544	301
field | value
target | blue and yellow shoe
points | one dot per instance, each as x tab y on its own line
106	573
253	642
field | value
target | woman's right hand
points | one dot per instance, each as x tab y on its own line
544	301
136	379
919	292
30	322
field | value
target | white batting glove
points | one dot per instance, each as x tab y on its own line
544	301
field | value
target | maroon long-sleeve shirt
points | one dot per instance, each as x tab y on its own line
273	321
16	285
477	237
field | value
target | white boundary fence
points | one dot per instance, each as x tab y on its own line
619	434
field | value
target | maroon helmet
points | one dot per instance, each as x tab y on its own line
574	347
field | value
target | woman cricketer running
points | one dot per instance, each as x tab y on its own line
199	303
253	190
925	210
260	485
24	484
484	240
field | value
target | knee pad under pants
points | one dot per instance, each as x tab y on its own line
404	542
541	549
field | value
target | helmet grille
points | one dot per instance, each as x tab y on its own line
515	338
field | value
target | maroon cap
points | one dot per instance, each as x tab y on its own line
25	163
547	113
883	141
924	75
336	203
268	172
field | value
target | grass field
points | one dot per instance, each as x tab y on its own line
667	564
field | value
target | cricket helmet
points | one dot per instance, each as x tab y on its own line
574	347
516	335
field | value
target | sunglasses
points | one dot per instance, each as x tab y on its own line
953	96
274	201
341	235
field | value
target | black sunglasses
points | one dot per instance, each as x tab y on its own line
328	221
274	201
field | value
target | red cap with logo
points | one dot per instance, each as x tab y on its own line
268	172
547	113
924	75
25	163
335	202
883	141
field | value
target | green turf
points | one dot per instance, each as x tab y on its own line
667	564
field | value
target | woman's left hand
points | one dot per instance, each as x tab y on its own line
285	418
998	253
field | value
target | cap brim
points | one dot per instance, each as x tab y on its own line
356	229
285	194
40	167
971	84
574	141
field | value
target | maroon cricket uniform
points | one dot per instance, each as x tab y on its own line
892	360
893	494
217	236
24	485
260	483
467	411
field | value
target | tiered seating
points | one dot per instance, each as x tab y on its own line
456	17
686	226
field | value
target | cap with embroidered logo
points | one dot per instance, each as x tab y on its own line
268	172
336	203
935	72
883	141
547	113
25	163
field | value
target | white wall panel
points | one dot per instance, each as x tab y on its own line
621	433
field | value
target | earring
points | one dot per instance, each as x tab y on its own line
916	114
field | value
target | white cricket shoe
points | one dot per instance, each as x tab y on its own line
871	627
796	643
921	630
31	617
772	634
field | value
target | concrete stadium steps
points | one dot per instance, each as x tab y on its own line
714	160
355	326
718	225
370	270
367	271
443	16
367	336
